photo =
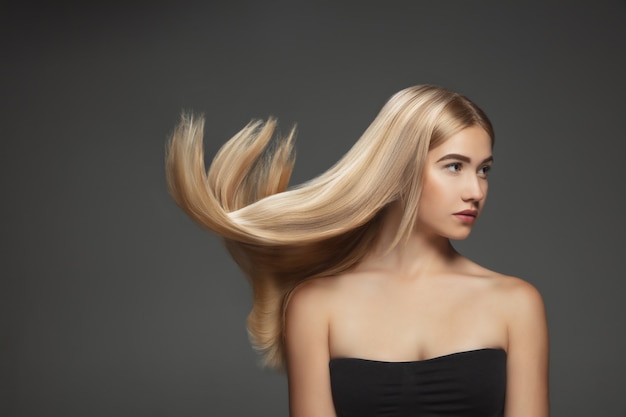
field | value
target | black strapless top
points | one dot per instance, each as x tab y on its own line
462	384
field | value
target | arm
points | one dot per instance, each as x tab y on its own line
306	344
527	360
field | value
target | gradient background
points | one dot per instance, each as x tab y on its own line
113	303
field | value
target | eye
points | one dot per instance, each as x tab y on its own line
484	170
454	167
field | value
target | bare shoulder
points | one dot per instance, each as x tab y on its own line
517	294
523	310
308	309
516	297
313	295
512	290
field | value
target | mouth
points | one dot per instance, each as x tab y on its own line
467	216
472	213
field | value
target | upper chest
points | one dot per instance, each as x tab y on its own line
420	320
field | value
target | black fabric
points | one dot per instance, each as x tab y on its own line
462	384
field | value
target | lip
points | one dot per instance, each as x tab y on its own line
467	216
472	213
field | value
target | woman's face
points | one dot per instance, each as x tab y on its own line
455	184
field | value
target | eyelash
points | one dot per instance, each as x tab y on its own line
459	166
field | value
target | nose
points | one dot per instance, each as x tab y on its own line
475	189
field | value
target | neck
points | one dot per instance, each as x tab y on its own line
422	253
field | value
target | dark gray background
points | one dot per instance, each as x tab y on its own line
115	304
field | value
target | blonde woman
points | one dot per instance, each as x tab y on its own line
358	292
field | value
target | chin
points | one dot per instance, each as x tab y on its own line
459	236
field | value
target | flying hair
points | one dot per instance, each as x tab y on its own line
281	236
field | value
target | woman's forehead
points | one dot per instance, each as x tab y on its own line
473	142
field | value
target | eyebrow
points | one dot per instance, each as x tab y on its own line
463	158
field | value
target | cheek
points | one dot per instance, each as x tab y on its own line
434	193
436	188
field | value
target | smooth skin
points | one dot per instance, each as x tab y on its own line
422	299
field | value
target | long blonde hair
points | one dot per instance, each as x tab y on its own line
280	237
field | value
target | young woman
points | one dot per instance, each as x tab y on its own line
357	289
